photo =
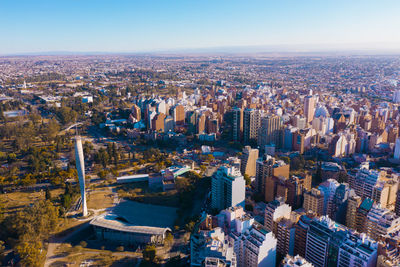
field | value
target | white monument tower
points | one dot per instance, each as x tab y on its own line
80	166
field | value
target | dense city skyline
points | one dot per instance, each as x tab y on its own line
213	133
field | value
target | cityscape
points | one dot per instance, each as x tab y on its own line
215	154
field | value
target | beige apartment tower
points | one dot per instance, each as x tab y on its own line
314	201
248	161
309	108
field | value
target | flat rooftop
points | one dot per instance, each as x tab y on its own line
141	214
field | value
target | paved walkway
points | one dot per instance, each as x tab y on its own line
54	241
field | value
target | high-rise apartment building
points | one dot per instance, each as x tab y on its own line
388	252
169	124
179	114
251	125
157	124
331	244
285	234
212	246
296	261
397	148
381	222
300	122
397	205
340	203
288	134
323	243
396	96
364	181
136	112
384	192
314	201
296	186
328	188
237	124
266	170
270	131
248	161
274	211
227	188
362	213
358	250
353	203
201	124
255	247
309	108
302	226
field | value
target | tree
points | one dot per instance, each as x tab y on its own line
87	149
175	261
11	157
297	163
102	157
318	174
2	206
342	177
247	179
286	159
102	174
50	130
48	194
66	115
149	253
66	201
169	238
190	226
248	207
114	153
2	249
30	253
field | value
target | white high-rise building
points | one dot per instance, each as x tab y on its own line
80	166
328	188
296	261
210	247
396	96
364	181
381	222
331	244
274	211
255	248
397	149
340	147
358	250
227	188
300	122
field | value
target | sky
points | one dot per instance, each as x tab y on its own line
41	26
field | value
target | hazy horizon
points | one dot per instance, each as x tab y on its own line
122	26
354	49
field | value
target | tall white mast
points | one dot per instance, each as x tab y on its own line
80	166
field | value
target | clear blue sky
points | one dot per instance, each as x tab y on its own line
148	25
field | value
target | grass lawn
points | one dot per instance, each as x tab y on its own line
16	201
100	198
75	256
